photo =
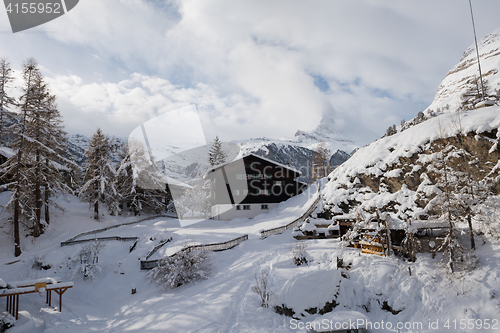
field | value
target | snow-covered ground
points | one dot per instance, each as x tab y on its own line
225	302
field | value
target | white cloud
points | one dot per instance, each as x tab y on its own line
248	64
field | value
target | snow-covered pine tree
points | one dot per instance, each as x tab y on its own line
7	103
183	267
16	165
216	155
448	203
320	163
56	166
196	200
140	182
39	143
99	180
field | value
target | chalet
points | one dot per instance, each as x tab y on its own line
249	186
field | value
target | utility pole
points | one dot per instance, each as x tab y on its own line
477	51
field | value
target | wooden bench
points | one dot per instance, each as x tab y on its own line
372	248
16	288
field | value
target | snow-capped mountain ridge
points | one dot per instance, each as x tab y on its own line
297	151
462	76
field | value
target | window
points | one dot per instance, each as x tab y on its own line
264	207
278	183
246	207
238	207
239	176
236	192
264	192
245	192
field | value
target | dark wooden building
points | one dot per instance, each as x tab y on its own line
250	186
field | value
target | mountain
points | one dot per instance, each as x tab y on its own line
185	165
462	77
77	144
400	174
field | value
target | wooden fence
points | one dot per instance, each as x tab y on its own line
291	225
149	264
123	239
96	231
157	247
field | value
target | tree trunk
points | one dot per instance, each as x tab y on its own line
388	238
47	196
38	197
471	233
96	210
17	241
46	204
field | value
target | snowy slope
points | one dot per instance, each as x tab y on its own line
459	78
376	158
225	302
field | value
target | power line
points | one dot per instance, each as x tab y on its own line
477	50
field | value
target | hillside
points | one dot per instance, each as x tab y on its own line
462	77
398	173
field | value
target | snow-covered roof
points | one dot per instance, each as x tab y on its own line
23	283
344	217
333	227
3	284
212	169
308	227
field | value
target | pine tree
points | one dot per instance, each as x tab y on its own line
99	180
21	178
54	138
39	144
196	199
216	155
6	102
140	182
320	164
453	203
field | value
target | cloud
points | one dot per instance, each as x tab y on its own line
251	66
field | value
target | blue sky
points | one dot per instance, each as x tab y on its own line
253	68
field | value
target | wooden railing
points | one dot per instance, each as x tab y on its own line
157	247
123	239
291	225
149	264
96	231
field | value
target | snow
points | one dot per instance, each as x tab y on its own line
375	158
308	226
225	302
17	284
215	167
447	93
6	151
328	321
333	227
